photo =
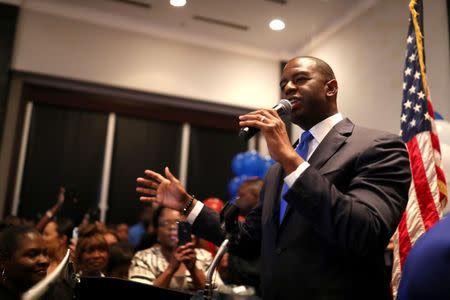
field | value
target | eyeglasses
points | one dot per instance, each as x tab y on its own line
168	223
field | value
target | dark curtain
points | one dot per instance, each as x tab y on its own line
8	20
139	144
65	147
210	154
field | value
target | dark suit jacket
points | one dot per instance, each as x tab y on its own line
341	213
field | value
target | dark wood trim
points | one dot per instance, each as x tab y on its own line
95	97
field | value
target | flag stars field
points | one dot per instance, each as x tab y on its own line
403	118
410	39
417	107
407	104
408	71
421	95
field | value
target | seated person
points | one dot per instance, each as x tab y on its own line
138	230
168	265
248	195
235	270
120	255
91	252
57	234
23	260
122	232
111	237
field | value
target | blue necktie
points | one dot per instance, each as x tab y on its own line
302	150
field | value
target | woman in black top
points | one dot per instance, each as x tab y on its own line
23	260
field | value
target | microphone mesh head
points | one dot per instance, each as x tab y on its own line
287	106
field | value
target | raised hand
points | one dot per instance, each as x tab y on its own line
167	191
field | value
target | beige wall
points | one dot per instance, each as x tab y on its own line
74	49
368	58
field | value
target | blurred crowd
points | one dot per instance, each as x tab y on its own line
149	251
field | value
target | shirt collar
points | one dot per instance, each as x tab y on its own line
321	129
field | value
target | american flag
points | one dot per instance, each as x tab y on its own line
428	192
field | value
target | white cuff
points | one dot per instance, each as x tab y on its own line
291	178
195	212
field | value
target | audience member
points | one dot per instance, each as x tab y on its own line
111	237
23	260
57	234
235	270
166	264
119	261
148	240
122	232
91	254
248	195
137	231
47	217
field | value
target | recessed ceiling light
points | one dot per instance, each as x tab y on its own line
277	25
178	3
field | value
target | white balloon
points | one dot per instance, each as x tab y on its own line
443	129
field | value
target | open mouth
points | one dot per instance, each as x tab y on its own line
295	101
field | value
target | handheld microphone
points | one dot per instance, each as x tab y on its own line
282	108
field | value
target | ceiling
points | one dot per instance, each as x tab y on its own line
236	25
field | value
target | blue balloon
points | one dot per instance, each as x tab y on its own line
438	116
253	163
234	184
237	164
266	164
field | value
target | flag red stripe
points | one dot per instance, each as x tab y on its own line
404	240
424	197
430	107
435	141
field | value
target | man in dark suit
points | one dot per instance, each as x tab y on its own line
327	208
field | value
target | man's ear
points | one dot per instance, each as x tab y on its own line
332	88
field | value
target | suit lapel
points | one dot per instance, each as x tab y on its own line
331	143
278	175
326	149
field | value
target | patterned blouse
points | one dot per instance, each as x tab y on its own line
149	264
